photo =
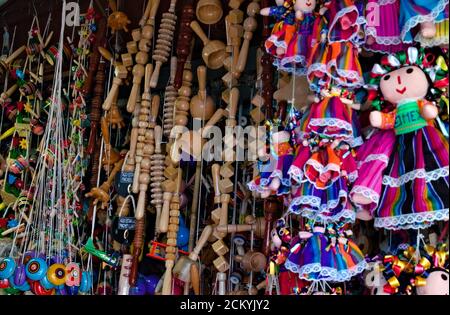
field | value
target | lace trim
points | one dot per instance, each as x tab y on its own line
254	187
383	40
316	202
296	173
346	215
276	173
366	192
331	122
323	169
386	2
278	43
419	173
418	19
432	42
340	14
326	273
418	220
375	157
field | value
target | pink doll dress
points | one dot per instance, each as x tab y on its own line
372	159
385	28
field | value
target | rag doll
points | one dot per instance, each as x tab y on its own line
324	164
299	47
274	175
415	186
283	30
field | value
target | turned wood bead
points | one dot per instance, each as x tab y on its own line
147	32
142	59
174	213
144	179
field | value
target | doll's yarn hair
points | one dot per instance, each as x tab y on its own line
434	68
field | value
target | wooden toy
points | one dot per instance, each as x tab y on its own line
209	11
214	51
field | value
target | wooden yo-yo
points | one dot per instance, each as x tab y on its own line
202	106
252	261
209	11
214	51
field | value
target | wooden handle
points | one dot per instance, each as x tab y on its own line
234	228
15	54
199	31
158	137
243	56
173	69
105	130
113	5
133	142
133	96
49	38
140	208
216	176
201	74
164	220
195	279
207	231
215	118
234	101
225	200
105	53
153	11
113	94
148	75
221	278
155	106
146	13
155	75
167	285
137	171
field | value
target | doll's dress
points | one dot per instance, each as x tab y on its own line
323	173
349	260
442	33
372	160
296	58
415	182
385	28
414	12
263	179
282	32
315	260
345	9
285	156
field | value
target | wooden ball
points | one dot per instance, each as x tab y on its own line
181	120
142	58
253	9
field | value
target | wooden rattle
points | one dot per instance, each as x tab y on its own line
164	42
202	106
256	225
209	11
183	100
214	51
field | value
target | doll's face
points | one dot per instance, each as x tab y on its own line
276	241
306	6
437	284
404	83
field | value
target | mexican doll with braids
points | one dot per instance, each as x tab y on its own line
412	192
